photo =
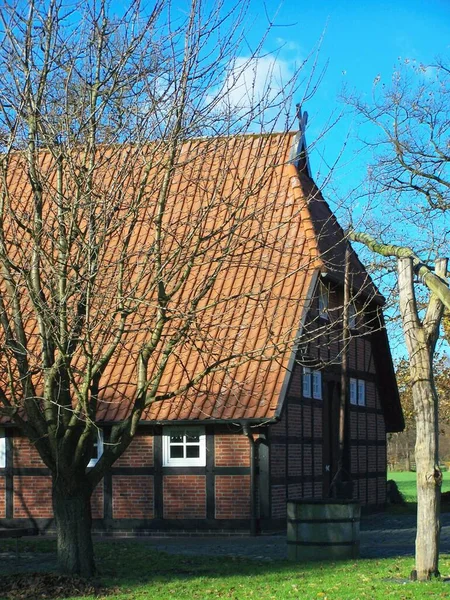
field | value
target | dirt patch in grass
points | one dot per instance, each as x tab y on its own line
24	586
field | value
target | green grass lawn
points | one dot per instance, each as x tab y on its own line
406	482
136	572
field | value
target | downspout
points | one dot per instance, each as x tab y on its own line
253	521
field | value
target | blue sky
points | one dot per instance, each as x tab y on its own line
361	41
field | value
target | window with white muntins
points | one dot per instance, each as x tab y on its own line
312	384
184	447
357	392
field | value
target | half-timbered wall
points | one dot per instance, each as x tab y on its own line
304	443
139	493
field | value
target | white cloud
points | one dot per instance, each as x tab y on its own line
252	80
257	89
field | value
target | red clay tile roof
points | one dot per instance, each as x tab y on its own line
260	295
271	250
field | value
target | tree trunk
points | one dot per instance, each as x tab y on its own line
420	337
72	512
429	479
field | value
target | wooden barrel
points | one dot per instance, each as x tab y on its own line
323	529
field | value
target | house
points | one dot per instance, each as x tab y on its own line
227	454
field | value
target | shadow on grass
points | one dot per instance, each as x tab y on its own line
137	570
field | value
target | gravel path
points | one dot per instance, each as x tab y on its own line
382	536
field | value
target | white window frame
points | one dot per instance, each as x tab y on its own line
352	316
184	461
2	448
353	391
357	392
317	385
324	298
306	385
99	445
361	392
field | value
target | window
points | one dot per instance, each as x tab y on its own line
323	302
361	392
184	447
2	449
98	449
352	316
353	391
358	392
312	384
317	385
306	382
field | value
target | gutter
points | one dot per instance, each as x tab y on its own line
253	519
254	422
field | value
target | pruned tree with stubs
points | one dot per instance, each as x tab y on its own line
406	126
421	335
104	126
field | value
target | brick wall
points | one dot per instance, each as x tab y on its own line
295	384
278	502
97	502
295	491
353	425
372	491
352	357
368	458
279	428
232	496
139	453
25	454
133	497
371	427
308	490
307	459
381	428
354	459
362	429
231	451
295	420
32	497
295	460
362	459
372	458
307	421
184	496
318	462
317	422
371	401
382	459
278	460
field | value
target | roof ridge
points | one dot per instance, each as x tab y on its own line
305	215
187	140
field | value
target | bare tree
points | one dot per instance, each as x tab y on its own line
404	129
421	335
96	114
